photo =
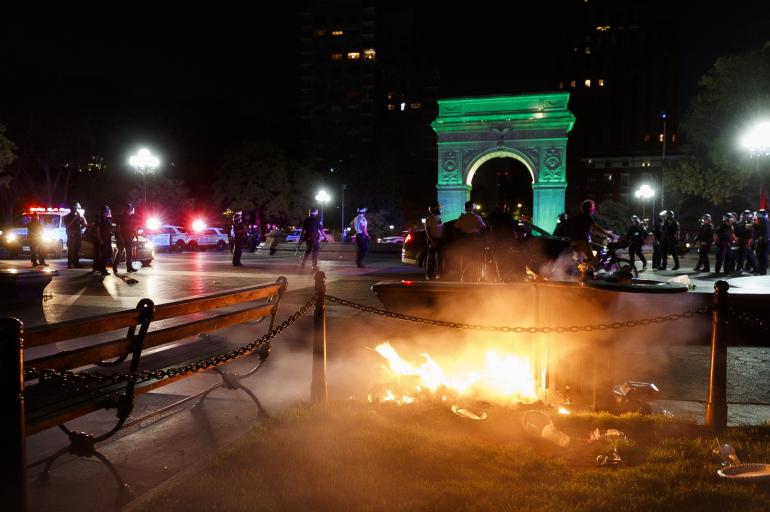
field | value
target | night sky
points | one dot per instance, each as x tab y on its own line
191	80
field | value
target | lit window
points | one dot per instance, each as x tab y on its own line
587	82
336	56
403	106
391	106
337	32
561	85
603	28
646	138
673	137
660	137
390	95
320	33
572	83
588	50
601	82
369	54
415	106
354	55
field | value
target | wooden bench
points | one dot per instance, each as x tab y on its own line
46	401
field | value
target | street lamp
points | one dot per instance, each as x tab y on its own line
757	141
144	162
644	193
342	213
664	117
322	197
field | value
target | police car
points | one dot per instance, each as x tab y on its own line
166	237
15	240
209	238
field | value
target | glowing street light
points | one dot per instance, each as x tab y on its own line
144	162
757	142
644	193
322	197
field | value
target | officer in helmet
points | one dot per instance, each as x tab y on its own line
743	233
362	236
561	224
657	239
125	232
670	240
239	238
312	234
761	238
102	241
704	238
434	232
636	236
35	234
724	240
74	223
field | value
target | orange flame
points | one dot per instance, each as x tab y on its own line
506	378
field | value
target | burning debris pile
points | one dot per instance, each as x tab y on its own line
501	379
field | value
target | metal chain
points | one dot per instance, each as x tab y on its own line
74	378
519	329
753	321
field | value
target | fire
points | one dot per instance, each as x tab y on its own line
502	378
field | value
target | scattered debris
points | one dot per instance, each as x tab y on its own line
632	396
465	413
726	454
683	279
612	460
611	434
539	424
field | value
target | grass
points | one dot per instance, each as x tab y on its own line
356	457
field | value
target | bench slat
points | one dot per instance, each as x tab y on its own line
197	305
45	335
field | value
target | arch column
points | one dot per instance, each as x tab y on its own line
453	198
547	204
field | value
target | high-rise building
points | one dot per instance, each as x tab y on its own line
622	70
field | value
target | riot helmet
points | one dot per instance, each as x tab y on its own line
762	214
75	206
669	214
726	217
635	220
313	212
588	207
362	209
706	218
130	209
106	212
561	218
434	208
747	215
469	206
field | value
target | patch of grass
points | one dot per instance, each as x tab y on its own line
352	456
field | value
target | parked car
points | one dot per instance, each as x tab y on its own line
209	238
396	239
528	247
293	237
168	238
15	239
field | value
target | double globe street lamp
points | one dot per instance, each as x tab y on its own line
644	193
322	197
757	142
144	162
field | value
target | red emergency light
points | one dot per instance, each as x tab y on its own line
40	209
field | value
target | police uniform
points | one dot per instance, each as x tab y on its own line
743	232
311	234
125	230
704	238
761	238
239	239
74	224
434	232
362	237
103	241
36	245
724	236
670	240
636	236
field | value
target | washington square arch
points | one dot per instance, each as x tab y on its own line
530	128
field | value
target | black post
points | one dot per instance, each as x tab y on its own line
716	407
318	392
13	464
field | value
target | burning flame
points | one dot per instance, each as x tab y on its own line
504	378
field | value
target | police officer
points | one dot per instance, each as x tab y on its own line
312	234
36	242
239	238
362	236
761	237
470	226
670	240
561	224
102	244
724	239
74	224
743	233
636	236
704	238
657	240
125	231
434	232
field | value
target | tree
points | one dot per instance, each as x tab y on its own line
169	196
614	215
733	93
7	156
258	176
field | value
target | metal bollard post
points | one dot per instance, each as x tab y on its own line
318	392
13	464
716	407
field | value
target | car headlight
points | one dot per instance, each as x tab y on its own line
11	238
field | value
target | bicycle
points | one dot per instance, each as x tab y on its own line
608	261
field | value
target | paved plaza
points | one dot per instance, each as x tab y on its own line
149	453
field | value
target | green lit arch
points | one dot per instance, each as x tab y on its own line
480	160
532	128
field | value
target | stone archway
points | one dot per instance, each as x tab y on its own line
532	128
